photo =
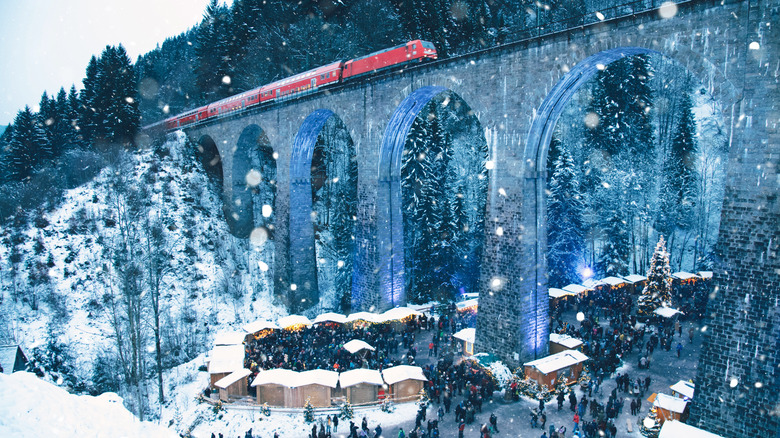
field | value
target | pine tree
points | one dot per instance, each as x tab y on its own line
615	251
28	146
565	225
658	291
308	411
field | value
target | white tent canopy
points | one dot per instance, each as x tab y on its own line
467	334
684	388
666	312
557	361
634	278
356	345
259	325
229	338
554	292
682	275
278	376
318	377
365	316
576	288
403	372
398	313
591	283
565	340
226	359
676	429
293	320
330	317
613	281
358	376
232	378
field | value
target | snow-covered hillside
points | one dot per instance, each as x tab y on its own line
63	297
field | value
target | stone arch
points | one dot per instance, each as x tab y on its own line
311	235
208	155
390	225
253	184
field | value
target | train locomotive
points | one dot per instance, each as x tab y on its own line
308	81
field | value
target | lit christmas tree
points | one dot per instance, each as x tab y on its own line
346	411
308	411
658	291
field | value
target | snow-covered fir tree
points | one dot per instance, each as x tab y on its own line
565	225
658	290
28	147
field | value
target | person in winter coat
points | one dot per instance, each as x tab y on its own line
560	400
335	423
378	431
572	401
401	433
494	421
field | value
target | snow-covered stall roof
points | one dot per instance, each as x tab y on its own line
684	388
705	274
330	317
672	404
635	278
356	345
278	376
666	312
293	320
682	275
557	361
361	375
467	334
403	372
318	377
677	429
576	288
226	359
259	325
365	316
591	283
229	338
565	340
554	292
397	313
232	378
613	281
468	303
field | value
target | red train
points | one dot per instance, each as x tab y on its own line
336	72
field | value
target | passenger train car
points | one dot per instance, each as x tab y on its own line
308	81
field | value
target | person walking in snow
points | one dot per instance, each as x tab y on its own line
679	349
335	423
494	421
561	398
544	420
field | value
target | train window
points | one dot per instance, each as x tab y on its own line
414	46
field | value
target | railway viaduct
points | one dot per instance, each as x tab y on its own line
517	91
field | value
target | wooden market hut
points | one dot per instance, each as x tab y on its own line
616	284
234	385
223	360
275	387
577	289
398	317
559	343
546	370
676	429
404	382
467	337
636	283
668	407
683	389
229	338
315	385
362	319
12	359
361	385
330	318
259	328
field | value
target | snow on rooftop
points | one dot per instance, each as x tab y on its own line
705	274
293	320
330	317
635	278
467	334
468	303
591	283
557	361
229	338
232	378
613	281
41	409
565	340
672	404
676	429
318	377
278	376
356	345
682	275
403	372
554	292
666	312
361	375
575	288
684	388
398	313
365	316
254	327
226	359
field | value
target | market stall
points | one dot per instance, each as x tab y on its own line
467	337
223	360
559	343
361	385
636	283
668	407
260	328
234	385
404	381
275	387
676	429
317	386
683	389
330	318
546	371
229	338
294	322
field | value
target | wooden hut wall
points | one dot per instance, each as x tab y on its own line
216	377
362	393
406	389
556	347
236	390
543	379
318	395
272	394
